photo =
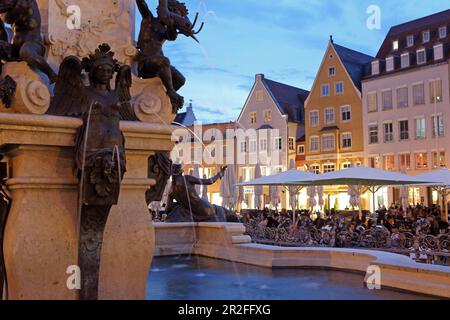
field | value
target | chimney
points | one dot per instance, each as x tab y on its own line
259	76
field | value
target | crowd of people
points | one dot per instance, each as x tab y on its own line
415	219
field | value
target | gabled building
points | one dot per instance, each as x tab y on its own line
334	119
407	103
273	120
187	118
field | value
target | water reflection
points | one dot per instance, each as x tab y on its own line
211	279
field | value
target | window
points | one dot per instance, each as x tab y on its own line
375	67
395	45
243	146
409	41
315	168
388	132
426	36
421	56
259	95
389	163
421	160
438	51
373	134
439	160
325	90
267	115
372	162
339	88
263	145
291	144
404	129
347	165
329	116
347	140
420	128
372	102
301	149
405	60
252	117
390	64
387	99
314	144
329	168
404	161
346	113
328	142
278	144
314	118
402	97
443	32
419	94
436	91
438	125
253	146
331	72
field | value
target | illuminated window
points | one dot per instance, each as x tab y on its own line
268	115
421	160
252	117
389	163
439	160
404	161
436	91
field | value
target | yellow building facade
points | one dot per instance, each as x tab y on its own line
334	118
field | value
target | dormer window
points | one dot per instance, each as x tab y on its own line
421	56
395	45
389	64
406	61
443	32
375	67
438	52
410	41
426	36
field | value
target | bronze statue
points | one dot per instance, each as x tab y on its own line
25	19
189	205
99	149
73	98
171	21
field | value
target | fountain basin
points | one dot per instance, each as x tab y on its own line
220	241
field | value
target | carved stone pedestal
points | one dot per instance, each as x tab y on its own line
41	239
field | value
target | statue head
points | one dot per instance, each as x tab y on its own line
101	65
7	5
177	169
181	19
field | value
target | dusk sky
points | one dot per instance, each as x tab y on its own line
283	39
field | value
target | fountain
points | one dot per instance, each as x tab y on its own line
95	217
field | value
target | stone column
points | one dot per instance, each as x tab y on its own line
41	239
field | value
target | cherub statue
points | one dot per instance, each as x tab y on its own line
25	19
99	148
171	21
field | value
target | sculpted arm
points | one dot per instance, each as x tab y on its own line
143	9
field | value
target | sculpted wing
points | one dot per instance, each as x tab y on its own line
123	85
70	96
